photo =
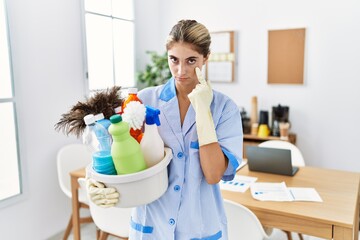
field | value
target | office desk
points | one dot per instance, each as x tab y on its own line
337	217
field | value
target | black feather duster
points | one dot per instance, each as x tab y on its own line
103	101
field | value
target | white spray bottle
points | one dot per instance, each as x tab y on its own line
152	144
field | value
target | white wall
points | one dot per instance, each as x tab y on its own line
47	59
324	110
47	62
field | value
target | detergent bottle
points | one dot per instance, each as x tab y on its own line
152	144
132	96
99	118
89	138
101	133
125	150
98	134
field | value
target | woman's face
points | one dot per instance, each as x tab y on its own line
183	60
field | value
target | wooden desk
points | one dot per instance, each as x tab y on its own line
74	175
337	217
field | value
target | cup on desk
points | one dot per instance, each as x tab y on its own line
284	130
254	128
264	130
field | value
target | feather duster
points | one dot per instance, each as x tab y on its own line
103	101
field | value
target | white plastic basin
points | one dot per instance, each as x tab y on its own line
137	188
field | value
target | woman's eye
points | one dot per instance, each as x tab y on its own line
191	61
173	60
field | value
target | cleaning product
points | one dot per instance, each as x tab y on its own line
103	163
97	133
125	150
99	118
101	133
132	96
89	138
134	115
152	144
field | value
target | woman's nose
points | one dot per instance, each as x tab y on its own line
181	69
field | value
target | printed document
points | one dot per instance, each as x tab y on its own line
238	184
279	192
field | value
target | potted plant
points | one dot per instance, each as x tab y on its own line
157	72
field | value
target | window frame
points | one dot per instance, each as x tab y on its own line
17	197
87	89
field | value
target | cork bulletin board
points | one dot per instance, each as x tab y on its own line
286	56
221	64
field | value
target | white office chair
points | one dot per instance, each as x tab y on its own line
296	159
111	221
69	158
243	223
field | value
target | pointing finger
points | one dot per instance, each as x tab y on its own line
200	76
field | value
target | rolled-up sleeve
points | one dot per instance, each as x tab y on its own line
230	137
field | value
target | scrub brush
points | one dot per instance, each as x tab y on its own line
134	114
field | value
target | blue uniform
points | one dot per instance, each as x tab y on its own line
190	208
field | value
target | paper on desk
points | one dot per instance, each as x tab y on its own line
305	194
279	192
238	184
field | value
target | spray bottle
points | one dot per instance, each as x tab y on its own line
152	144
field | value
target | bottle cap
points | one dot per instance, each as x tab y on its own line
152	116
99	116
132	90
89	119
115	118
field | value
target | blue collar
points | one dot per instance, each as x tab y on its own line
168	91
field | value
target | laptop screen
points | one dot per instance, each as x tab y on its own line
270	160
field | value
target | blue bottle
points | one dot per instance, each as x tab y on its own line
101	133
102	159
99	118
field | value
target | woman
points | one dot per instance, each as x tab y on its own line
203	129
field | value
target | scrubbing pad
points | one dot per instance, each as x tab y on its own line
134	114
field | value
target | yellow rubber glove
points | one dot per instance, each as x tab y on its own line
201	98
101	195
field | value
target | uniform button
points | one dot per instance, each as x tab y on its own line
171	221
180	155
176	188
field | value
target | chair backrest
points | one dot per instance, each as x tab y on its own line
296	156
113	220
71	157
243	223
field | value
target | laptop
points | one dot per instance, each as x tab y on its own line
270	160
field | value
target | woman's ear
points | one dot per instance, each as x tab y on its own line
206	59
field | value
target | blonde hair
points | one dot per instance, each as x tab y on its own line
192	32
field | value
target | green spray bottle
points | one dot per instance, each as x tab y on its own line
125	150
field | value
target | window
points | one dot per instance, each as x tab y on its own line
10	184
109	41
